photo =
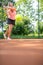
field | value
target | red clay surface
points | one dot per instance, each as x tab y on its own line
21	52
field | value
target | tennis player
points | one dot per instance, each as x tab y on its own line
11	13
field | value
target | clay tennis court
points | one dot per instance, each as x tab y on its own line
21	52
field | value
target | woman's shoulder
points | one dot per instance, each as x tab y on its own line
13	8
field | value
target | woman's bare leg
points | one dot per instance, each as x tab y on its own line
10	30
5	34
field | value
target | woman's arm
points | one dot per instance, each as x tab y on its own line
7	7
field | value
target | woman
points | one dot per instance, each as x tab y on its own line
11	13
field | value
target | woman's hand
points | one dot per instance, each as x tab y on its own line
4	7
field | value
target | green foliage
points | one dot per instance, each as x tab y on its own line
20	1
18	29
19	17
40	27
30	36
41	4
2	15
1	35
24	27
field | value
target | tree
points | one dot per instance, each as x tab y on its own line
25	7
41	4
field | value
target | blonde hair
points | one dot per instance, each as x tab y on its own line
10	3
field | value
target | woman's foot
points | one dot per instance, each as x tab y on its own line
5	36
8	38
